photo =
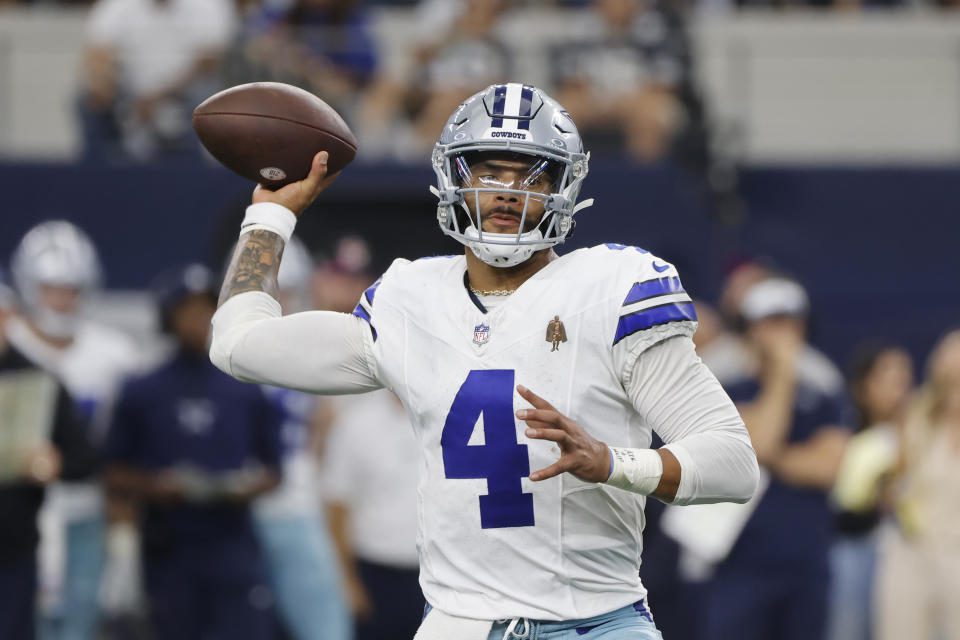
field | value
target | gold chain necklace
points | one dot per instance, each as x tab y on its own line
491	292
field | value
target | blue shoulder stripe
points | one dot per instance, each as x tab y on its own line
651	288
664	314
372	291
360	312
616	246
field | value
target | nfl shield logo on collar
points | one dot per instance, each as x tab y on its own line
481	334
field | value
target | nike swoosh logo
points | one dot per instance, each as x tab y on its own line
660	268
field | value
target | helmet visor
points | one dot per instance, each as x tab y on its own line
508	171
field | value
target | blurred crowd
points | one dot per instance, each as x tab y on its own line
149	62
143	493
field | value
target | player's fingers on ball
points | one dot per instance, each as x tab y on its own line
318	169
558	467
540	433
533	398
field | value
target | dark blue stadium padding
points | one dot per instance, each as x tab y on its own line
876	247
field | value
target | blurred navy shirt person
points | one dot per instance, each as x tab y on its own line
193	448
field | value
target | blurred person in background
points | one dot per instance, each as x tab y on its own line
341	279
191	449
42	438
620	82
919	572
458	53
722	350
56	271
881	379
148	63
676	568
774	582
370	484
324	46
291	525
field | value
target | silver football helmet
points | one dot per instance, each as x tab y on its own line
54	253
509	119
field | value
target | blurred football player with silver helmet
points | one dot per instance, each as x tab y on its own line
533	381
55	268
55	271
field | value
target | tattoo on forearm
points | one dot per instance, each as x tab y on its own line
254	266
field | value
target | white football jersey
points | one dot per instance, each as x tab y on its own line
493	544
92	367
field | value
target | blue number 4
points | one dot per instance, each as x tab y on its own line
501	460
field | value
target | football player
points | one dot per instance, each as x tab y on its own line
55	270
536	455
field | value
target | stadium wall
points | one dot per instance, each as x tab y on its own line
876	247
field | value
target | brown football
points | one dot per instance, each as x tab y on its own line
269	132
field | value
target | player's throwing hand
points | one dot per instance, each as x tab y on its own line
580	454
299	195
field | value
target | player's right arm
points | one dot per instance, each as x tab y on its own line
317	351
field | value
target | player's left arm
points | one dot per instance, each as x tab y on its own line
583	455
678	396
708	456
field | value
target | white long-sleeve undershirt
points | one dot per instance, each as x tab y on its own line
327	352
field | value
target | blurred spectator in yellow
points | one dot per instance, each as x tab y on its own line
881	380
56	272
370	483
323	46
291	524
919	582
148	63
620	82
192	448
458	53
773	583
42	438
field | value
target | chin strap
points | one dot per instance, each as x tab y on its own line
583	204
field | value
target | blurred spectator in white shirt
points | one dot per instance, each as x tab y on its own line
370	485
148	64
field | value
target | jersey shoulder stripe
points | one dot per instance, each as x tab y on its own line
364	308
361	312
372	291
653	302
647	318
651	288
